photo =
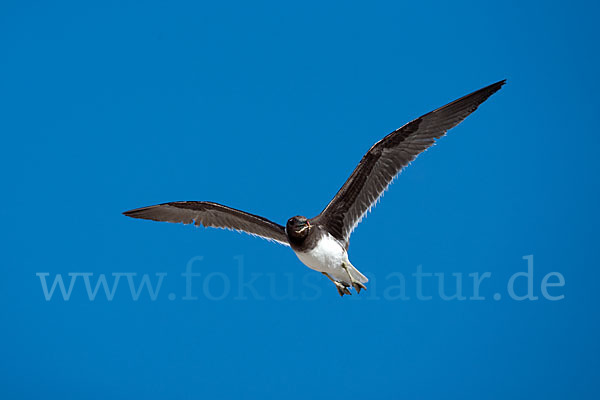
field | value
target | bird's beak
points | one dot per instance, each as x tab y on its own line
304	227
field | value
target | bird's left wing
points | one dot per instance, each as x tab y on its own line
212	214
386	159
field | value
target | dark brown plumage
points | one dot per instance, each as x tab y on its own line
212	214
321	243
386	159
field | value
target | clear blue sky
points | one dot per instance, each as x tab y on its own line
267	106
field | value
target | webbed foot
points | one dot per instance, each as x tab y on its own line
341	287
358	286
355	284
342	290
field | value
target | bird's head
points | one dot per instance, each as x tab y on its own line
297	227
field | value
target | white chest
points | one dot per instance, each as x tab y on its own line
327	255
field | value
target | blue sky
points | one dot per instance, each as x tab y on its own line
267	107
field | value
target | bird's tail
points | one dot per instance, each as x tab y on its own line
356	274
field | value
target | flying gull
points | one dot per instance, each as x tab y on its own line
321	243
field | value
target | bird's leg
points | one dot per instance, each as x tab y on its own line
342	290
356	284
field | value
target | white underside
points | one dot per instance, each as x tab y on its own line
328	256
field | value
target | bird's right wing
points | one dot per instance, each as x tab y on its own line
212	214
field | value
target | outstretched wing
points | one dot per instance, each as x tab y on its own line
212	214
386	159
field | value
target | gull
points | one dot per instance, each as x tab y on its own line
321	242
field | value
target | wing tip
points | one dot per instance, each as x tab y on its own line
477	97
138	212
130	213
494	87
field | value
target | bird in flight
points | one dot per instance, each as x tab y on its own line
321	243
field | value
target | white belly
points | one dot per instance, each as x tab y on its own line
327	257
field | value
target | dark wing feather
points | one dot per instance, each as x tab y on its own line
386	159
212	214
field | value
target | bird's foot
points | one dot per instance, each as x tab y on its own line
342	289
355	284
358	286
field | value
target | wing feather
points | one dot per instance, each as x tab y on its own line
212	215
384	161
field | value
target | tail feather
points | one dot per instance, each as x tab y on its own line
356	274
